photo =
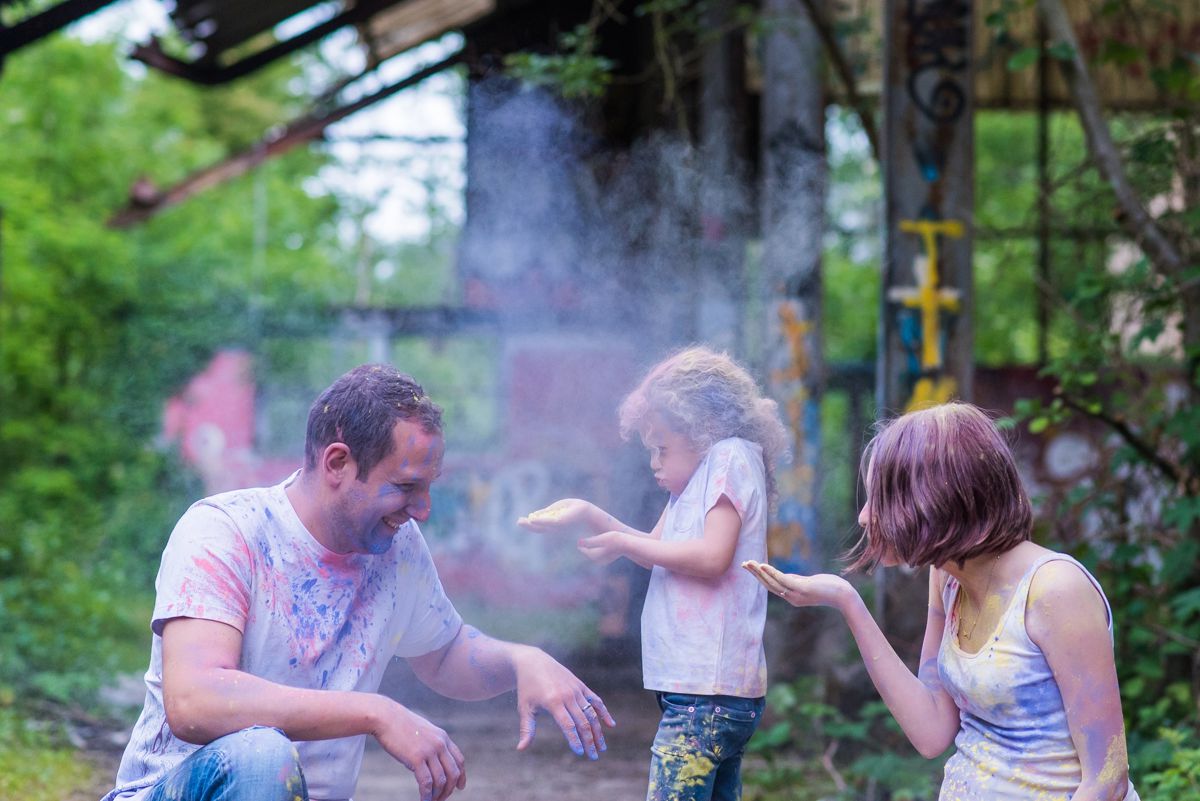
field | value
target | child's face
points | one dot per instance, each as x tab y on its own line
672	457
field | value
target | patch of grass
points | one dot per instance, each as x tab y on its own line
33	767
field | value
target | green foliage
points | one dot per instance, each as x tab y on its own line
852	252
1122	359
1175	776
1143	510
99	327
576	71
811	750
1007	212
839	457
578	68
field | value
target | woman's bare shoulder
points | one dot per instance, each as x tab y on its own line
1061	594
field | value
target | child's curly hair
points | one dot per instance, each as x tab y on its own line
706	396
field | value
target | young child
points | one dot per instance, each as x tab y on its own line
1017	663
713	440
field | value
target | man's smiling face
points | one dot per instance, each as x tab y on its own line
369	511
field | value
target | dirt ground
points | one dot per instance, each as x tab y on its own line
486	732
548	771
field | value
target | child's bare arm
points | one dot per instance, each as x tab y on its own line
574	513
707	557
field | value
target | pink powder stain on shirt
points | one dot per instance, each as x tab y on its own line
222	577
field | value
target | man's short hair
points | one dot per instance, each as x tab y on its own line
360	410
942	486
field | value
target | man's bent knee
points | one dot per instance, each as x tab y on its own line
265	758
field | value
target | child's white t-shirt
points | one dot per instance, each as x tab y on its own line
309	618
704	636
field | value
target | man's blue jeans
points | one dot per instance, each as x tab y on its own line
697	753
255	764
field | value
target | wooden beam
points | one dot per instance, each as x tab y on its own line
146	201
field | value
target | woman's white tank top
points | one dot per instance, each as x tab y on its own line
1014	742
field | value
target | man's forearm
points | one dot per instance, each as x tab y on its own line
205	704
473	667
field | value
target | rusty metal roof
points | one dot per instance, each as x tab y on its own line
226	39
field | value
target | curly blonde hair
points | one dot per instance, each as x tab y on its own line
706	396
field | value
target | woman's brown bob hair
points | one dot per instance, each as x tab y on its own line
942	486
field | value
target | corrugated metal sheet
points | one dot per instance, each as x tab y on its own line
407	25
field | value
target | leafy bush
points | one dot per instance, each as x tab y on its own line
813	750
1175	774
101	327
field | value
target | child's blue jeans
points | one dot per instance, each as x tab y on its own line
255	764
697	753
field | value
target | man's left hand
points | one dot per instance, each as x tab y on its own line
542	683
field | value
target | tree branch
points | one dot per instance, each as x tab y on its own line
845	73
1143	448
827	762
1137	221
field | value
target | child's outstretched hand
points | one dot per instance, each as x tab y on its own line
822	589
562	515
603	548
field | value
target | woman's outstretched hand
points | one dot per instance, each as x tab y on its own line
564	515
822	589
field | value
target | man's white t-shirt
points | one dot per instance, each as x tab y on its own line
309	618
705	636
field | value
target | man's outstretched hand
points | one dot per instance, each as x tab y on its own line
544	684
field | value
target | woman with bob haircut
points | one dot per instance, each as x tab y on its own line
1017	666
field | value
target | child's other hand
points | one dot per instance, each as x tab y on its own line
602	548
559	516
822	589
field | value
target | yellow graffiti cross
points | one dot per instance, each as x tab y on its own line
931	391
926	295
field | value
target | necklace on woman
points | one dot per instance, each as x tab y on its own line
979	611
